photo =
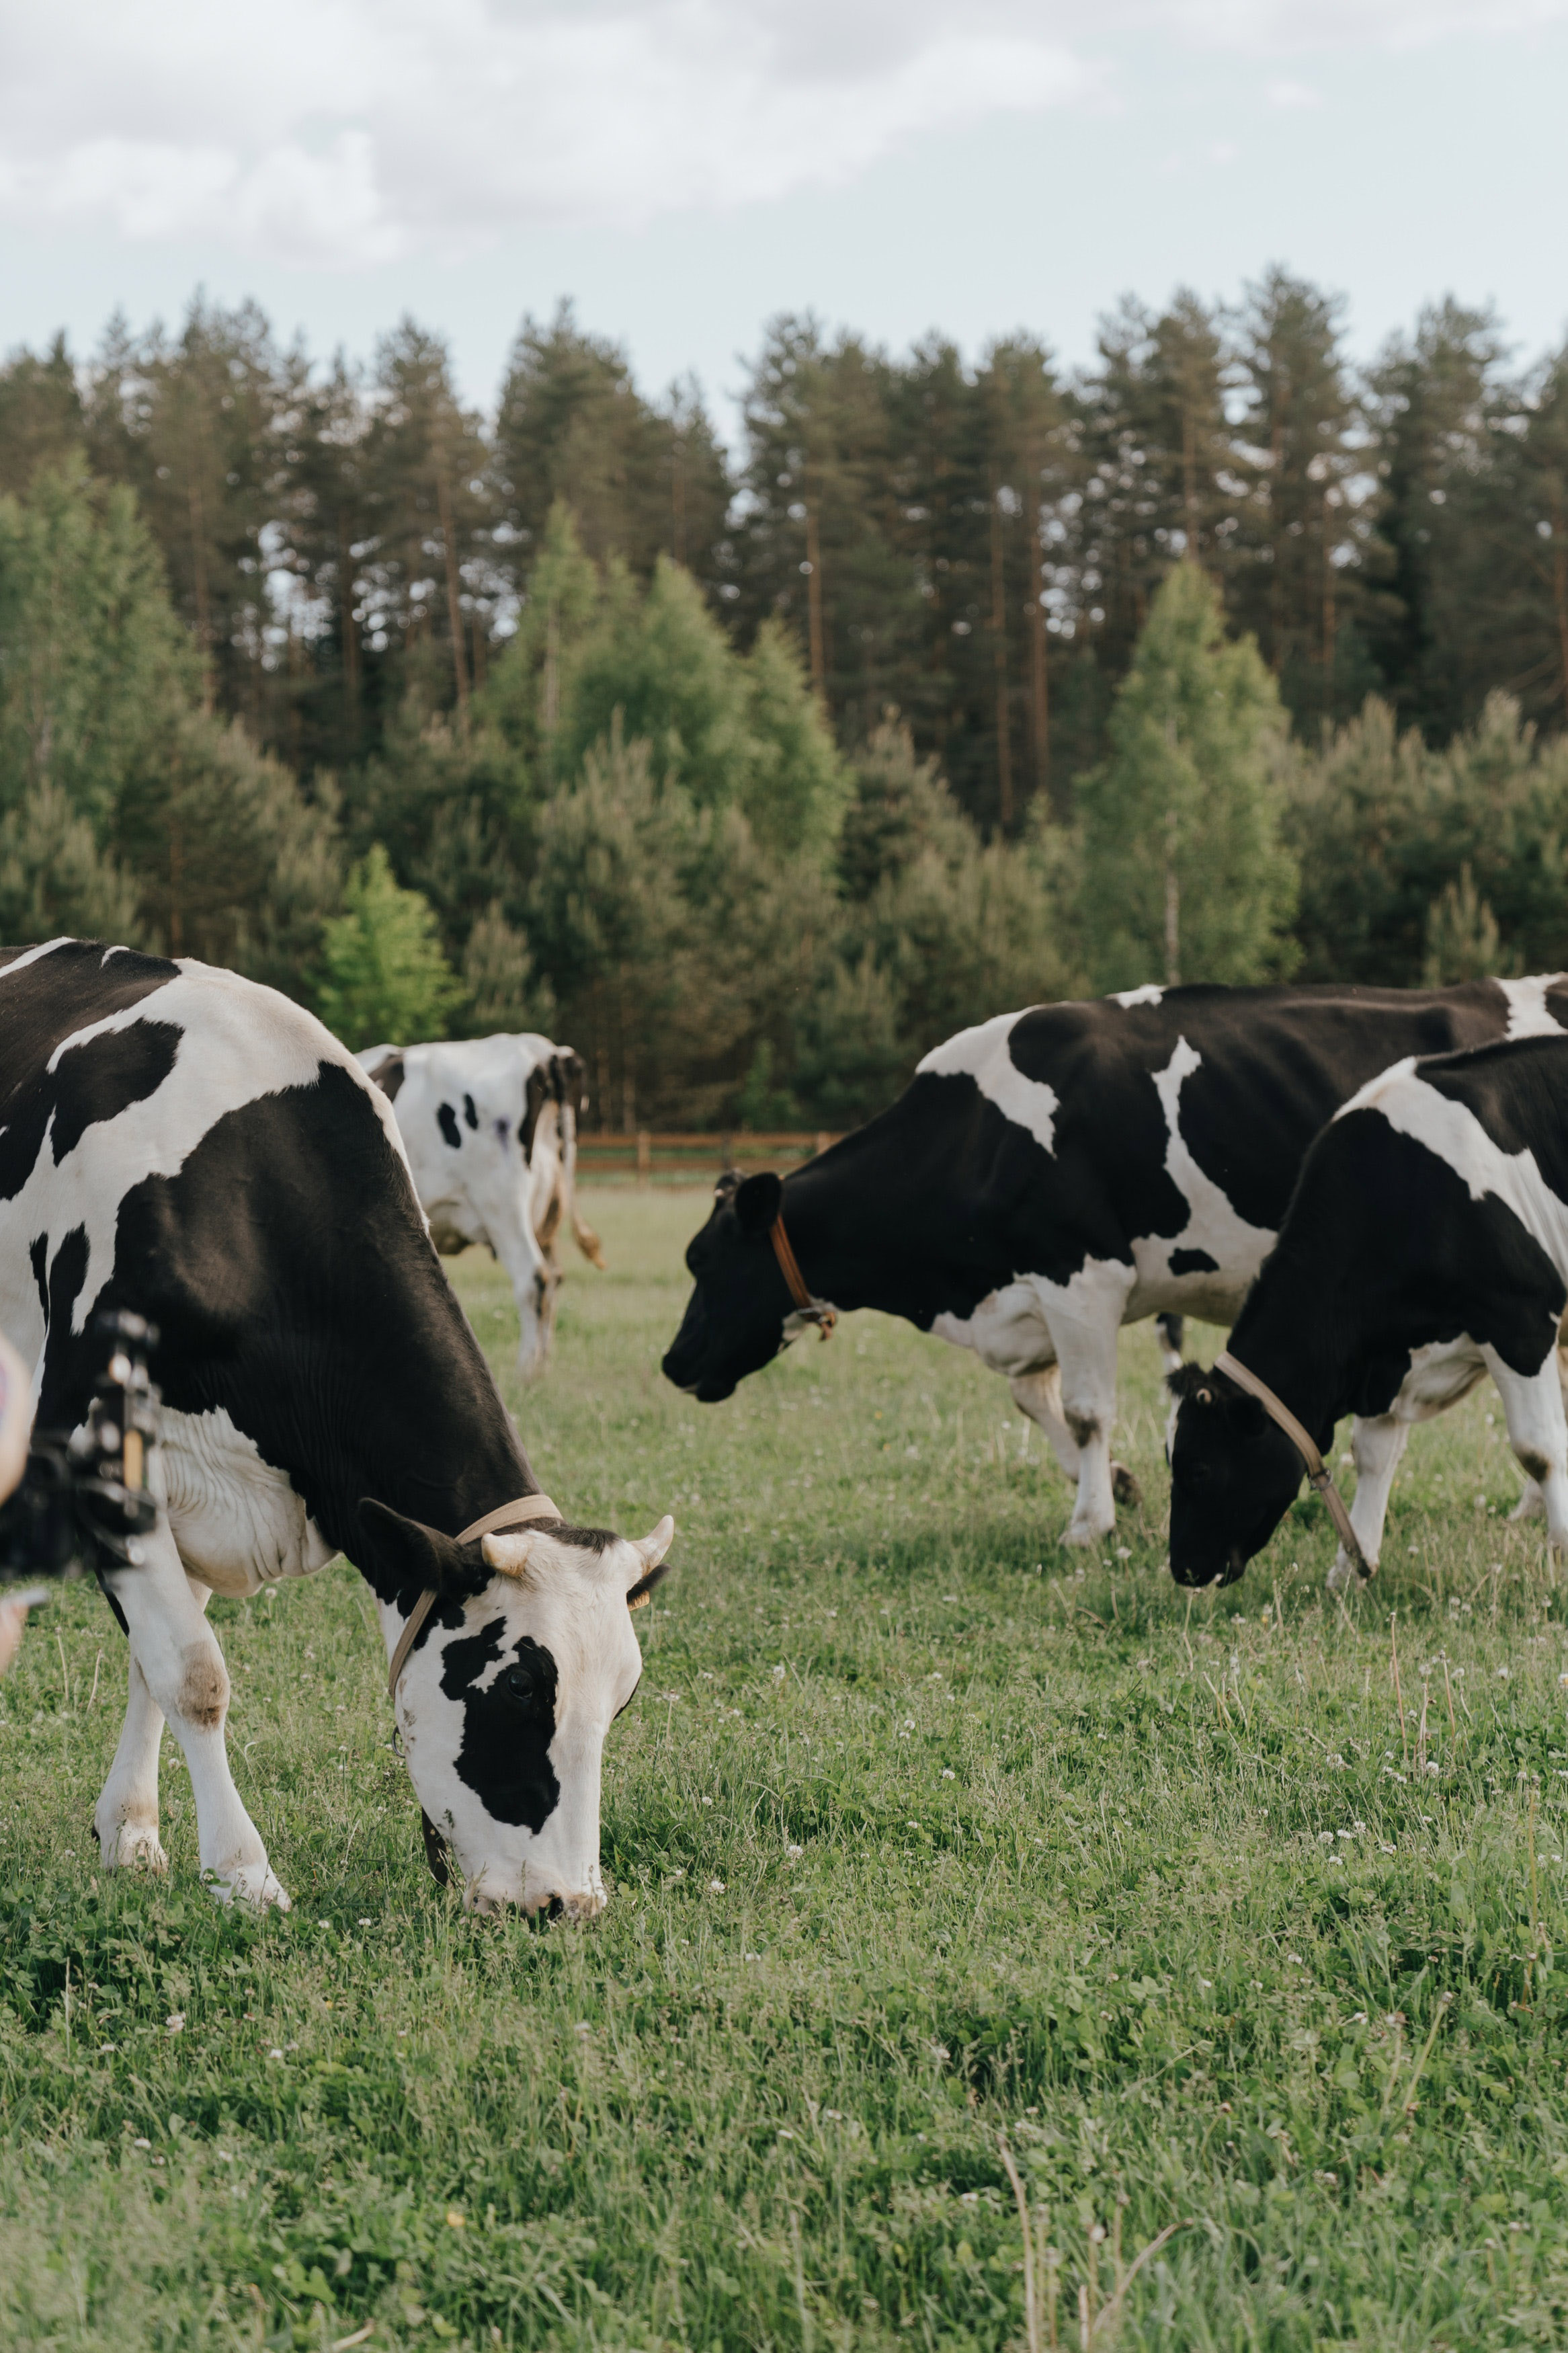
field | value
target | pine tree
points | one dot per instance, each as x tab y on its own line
572	429
1298	584
41	418
1185	875
1453	540
383	972
94	667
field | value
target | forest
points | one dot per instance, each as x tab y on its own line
755	771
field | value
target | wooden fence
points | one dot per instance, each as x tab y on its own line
647	1158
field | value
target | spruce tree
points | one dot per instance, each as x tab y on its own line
1186	877
383	972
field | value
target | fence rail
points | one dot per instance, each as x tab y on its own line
645	1155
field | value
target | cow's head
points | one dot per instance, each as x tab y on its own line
1234	1474
526	1661
741	1314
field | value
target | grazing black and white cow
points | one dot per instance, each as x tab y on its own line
1053	1174
1426	1244
180	1141
489	1125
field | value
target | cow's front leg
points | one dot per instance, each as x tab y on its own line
1085	1319
182	1666
1377	1444
125	1821
1538	1432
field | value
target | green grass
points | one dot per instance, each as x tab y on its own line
920	1832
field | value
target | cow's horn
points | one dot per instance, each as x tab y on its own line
507	1553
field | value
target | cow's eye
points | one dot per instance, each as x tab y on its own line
518	1683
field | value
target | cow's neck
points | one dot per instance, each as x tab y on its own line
873	1227
400	1407
1289	1334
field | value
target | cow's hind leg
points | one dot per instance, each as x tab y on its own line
125	1819
1038	1396
1538	1432
179	1659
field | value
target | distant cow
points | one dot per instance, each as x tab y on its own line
182	1142
489	1125
1426	1244
1053	1174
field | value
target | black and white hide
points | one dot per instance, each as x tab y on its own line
1426	1244
490	1127
180	1141
1053	1174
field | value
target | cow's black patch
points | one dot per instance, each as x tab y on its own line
41	1006
507	1727
447	1121
1190	1261
100	1079
39	1260
389	1074
470	1113
538	1088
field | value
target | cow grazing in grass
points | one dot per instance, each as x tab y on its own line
1426	1244
489	1125
1053	1174
180	1141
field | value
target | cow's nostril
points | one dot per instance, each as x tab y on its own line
555	1909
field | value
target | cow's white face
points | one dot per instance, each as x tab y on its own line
504	1717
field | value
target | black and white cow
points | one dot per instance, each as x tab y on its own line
1052	1175
178	1141
1426	1244
489	1125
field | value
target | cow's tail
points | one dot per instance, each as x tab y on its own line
572	1095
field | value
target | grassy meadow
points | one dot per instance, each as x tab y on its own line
934	1851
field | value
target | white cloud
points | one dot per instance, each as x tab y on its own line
1290	97
343	131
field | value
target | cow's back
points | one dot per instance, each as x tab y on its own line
1248	1076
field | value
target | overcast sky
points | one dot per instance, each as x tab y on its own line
685	168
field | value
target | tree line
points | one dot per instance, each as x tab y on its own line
958	687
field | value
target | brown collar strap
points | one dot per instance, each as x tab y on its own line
508	1515
1319	1475
816	1311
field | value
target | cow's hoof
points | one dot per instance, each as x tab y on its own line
1531	1504
133	1846
1084	1532
1125	1487
1344	1577
254	1884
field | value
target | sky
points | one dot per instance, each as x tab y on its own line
684	170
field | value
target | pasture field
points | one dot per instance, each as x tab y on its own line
922	1835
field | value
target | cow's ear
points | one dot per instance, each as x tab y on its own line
648	1562
403	1552
387	1074
1191	1381
758	1202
